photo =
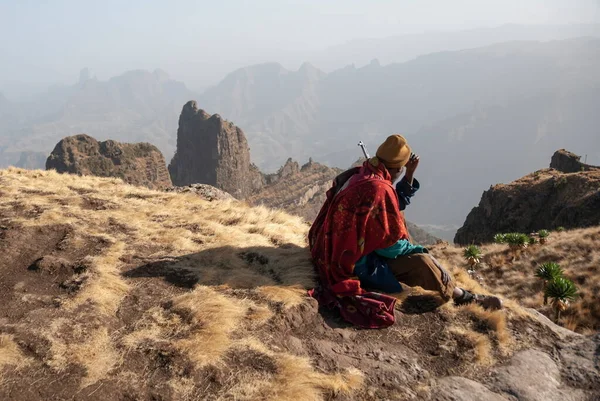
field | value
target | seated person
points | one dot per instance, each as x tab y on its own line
361	247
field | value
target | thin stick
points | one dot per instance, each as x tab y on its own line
364	149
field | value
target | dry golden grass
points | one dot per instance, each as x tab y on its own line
97	354
293	379
288	296
479	344
212	318
10	353
93	349
200	237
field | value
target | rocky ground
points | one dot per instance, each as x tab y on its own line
110	291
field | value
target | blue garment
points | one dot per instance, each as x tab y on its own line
406	191
373	271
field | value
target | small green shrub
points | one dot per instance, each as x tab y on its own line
543	235
500	238
562	291
517	240
547	272
472	254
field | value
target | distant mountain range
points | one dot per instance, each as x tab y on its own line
398	49
477	116
138	106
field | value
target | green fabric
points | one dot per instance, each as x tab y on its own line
401	248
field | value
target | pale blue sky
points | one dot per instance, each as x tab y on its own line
44	41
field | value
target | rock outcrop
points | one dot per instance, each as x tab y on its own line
567	162
290	168
137	164
204	191
545	199
213	151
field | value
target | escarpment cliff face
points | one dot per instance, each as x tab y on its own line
213	151
136	163
545	199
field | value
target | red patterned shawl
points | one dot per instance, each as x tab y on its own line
363	217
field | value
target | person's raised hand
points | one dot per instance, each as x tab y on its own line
413	163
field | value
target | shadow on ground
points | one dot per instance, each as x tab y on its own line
250	267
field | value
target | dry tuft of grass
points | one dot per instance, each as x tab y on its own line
296	381
292	379
288	296
73	343
480	345
494	324
10	353
106	288
212	318
97	354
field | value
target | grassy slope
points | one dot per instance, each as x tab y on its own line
115	291
511	274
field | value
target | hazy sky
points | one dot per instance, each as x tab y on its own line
43	41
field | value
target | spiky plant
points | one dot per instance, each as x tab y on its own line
500	238
560	229
547	272
543	235
517	240
472	254
562	291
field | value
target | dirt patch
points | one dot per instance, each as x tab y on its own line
22	279
91	203
252	360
